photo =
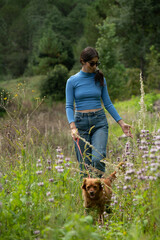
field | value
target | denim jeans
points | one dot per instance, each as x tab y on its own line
93	127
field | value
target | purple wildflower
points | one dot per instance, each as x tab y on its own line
36	232
157	143
130	171
60	156
127	178
126	187
67	159
39	172
60	170
59	149
51	199
51	180
143	131
49	161
145	156
49	168
153	150
67	165
158	175
157	137
48	194
58	167
128	153
152	156
38	165
40	184
151	178
144	142
146	162
59	161
141	177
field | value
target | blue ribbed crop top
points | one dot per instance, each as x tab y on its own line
87	94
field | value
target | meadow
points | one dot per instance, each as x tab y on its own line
40	189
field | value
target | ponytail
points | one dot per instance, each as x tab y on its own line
99	77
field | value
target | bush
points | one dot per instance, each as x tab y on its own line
54	85
150	99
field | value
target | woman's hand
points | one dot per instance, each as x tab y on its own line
126	128
74	131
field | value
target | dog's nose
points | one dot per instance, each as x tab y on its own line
92	193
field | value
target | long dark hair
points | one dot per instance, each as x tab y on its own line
87	55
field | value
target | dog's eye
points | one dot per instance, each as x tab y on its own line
87	188
95	187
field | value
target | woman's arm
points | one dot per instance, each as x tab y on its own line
70	108
70	101
113	112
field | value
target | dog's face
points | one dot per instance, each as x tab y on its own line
92	187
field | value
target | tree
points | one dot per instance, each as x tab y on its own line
96	13
138	29
113	69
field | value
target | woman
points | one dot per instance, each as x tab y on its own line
86	89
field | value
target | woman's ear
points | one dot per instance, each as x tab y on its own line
84	184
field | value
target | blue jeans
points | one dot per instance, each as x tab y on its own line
93	127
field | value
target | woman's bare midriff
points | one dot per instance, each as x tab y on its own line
89	110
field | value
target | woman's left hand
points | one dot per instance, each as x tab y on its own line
126	128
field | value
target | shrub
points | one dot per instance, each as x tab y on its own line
54	84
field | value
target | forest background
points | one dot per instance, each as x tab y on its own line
46	37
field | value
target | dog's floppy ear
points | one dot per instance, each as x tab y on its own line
84	184
100	184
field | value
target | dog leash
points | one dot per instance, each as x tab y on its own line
77	142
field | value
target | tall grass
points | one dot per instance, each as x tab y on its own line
40	190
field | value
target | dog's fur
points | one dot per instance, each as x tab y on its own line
97	193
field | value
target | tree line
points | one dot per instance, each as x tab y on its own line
46	37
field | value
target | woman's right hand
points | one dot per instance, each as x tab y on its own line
74	133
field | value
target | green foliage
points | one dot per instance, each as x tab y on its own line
96	13
133	84
153	69
52	52
135	21
150	100
27	29
113	70
54	84
80	228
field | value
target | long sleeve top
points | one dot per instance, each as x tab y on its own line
82	89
